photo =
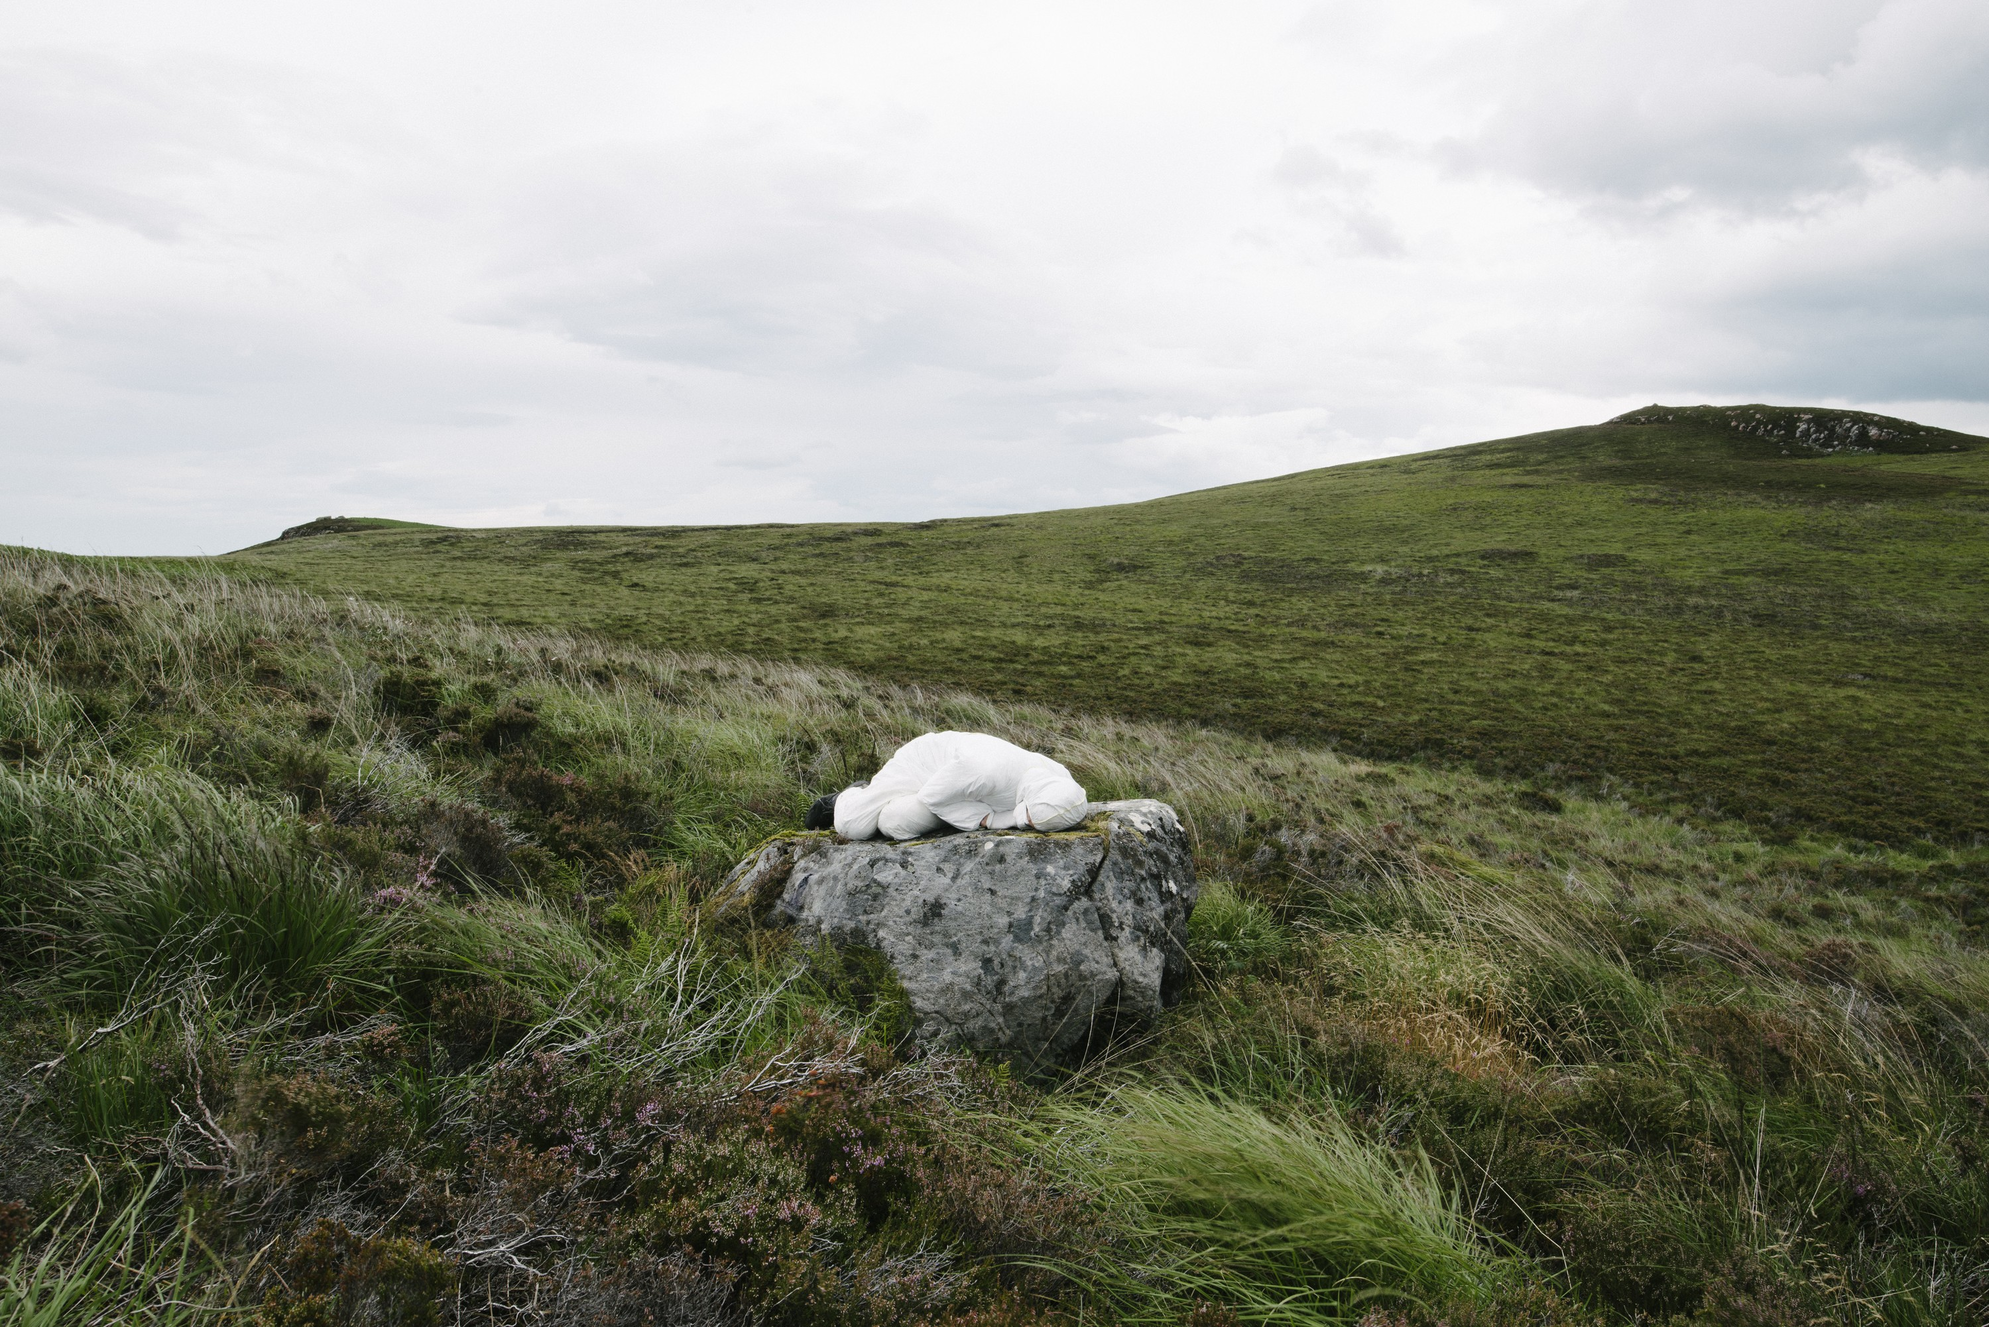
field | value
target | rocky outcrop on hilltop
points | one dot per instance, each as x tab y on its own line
1807	432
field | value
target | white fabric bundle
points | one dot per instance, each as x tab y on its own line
966	780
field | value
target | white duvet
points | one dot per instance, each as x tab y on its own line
966	780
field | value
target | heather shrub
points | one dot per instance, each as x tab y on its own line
1520	1306
741	1198
324	1126
465	844
335	1278
591	819
477	1021
863	981
411	695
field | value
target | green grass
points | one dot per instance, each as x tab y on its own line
1296	1221
1231	933
384	940
224	885
1675	611
86	1266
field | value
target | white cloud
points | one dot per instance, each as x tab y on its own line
779	261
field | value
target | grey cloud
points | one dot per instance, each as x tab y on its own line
1098	423
773	264
1325	190
88	137
81	138
468	419
1914	326
1872	306
1645	105
1305	167
183	347
1849	356
759	459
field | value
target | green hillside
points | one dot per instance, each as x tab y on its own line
1746	613
361	971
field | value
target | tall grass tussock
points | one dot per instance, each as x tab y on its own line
379	948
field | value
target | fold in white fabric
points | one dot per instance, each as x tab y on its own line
966	780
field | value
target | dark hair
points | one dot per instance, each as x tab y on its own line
822	815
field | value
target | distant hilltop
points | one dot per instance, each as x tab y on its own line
349	524
1808	429
1793	430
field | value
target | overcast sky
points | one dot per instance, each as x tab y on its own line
652	262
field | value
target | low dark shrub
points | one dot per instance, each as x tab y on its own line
644	1290
15	1221
479	1022
466	842
303	771
577	817
605	1124
1751	1290
741	1198
1531	1305
1637	1250
1836	962
19	751
851	1145
1866	1185
863	979
509	725
1217	1315
245	756
335	1278
324	1126
369	850
541	1097
1756	1048
1013	1310
1643	1110
411	693
1012	1214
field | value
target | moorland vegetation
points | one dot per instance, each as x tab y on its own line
360	971
1755	614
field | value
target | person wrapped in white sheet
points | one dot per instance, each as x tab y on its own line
966	780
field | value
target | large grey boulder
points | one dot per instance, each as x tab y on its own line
1028	946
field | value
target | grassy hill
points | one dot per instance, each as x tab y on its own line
359	970
1754	613
350	525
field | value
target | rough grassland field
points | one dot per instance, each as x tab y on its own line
1756	614
359	972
